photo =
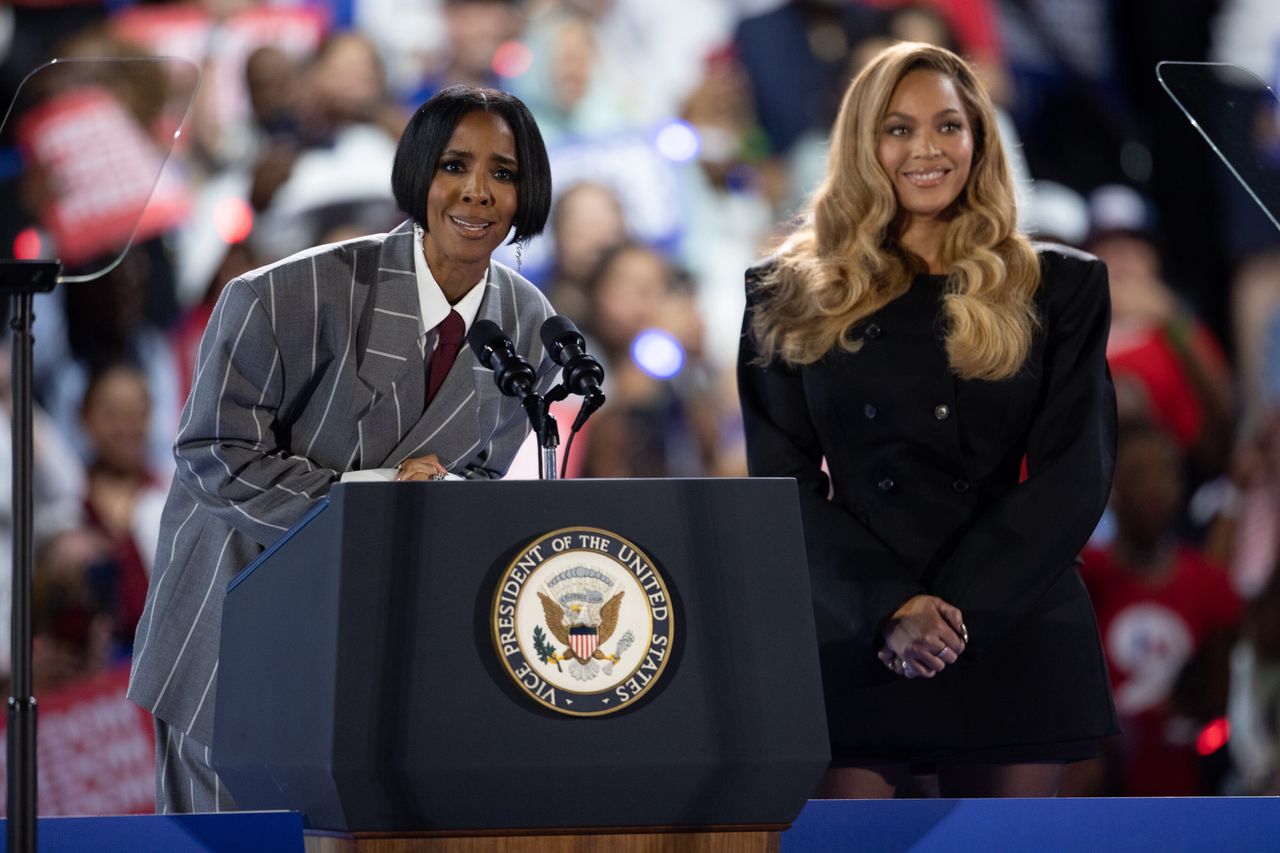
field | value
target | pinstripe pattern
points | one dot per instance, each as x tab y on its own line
185	781
346	352
281	405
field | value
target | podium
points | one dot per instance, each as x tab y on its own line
364	681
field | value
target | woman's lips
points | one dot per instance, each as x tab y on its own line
470	226
925	179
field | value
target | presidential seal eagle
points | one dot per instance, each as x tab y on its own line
583	626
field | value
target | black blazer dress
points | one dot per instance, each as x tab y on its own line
924	497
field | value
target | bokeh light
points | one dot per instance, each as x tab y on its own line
26	246
511	59
233	219
678	141
657	353
1213	736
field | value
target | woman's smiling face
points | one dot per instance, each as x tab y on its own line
471	202
925	144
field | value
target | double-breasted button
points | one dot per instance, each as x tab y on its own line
961	486
886	484
873	331
942	411
869	411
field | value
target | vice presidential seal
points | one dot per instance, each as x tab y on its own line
583	621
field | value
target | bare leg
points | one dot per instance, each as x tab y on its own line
881	782
1089	778
1000	780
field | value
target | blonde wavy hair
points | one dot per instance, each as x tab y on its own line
844	262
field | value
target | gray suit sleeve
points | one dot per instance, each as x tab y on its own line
228	451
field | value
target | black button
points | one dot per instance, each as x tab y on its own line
942	411
886	485
873	331
961	486
870	411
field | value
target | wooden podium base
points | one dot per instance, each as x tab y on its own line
763	840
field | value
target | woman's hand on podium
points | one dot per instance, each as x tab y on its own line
421	468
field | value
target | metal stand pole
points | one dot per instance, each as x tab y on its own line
549	440
22	279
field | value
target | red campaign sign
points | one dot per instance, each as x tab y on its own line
95	750
100	167
186	30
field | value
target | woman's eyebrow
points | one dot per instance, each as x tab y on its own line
938	114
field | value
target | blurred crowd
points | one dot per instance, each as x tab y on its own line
683	138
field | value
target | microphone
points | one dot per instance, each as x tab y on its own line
511	373
583	374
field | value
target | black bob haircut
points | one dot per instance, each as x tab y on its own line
429	131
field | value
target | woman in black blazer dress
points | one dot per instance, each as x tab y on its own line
953	379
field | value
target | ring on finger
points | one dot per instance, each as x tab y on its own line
907	669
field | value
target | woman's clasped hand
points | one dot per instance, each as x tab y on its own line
923	637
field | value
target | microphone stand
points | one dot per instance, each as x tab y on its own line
545	427
22	280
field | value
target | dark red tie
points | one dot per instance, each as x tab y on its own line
452	331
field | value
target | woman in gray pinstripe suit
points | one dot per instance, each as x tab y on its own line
315	367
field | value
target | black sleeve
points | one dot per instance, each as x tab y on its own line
857	581
1022	544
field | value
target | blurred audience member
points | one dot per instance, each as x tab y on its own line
475	29
105	325
796	59
122	500
974	23
1161	605
731	191
411	37
349	130
1253	710
660	420
587	221
1156	339
1247	530
71	631
1056	214
665	38
345	85
626	292
273	80
226	202
571	90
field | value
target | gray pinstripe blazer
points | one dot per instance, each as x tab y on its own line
309	367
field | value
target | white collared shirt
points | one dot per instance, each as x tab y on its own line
433	306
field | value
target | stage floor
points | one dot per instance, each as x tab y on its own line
1169	825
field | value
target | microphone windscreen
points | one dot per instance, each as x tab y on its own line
485	335
554	330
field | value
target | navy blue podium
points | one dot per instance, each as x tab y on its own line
359	682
